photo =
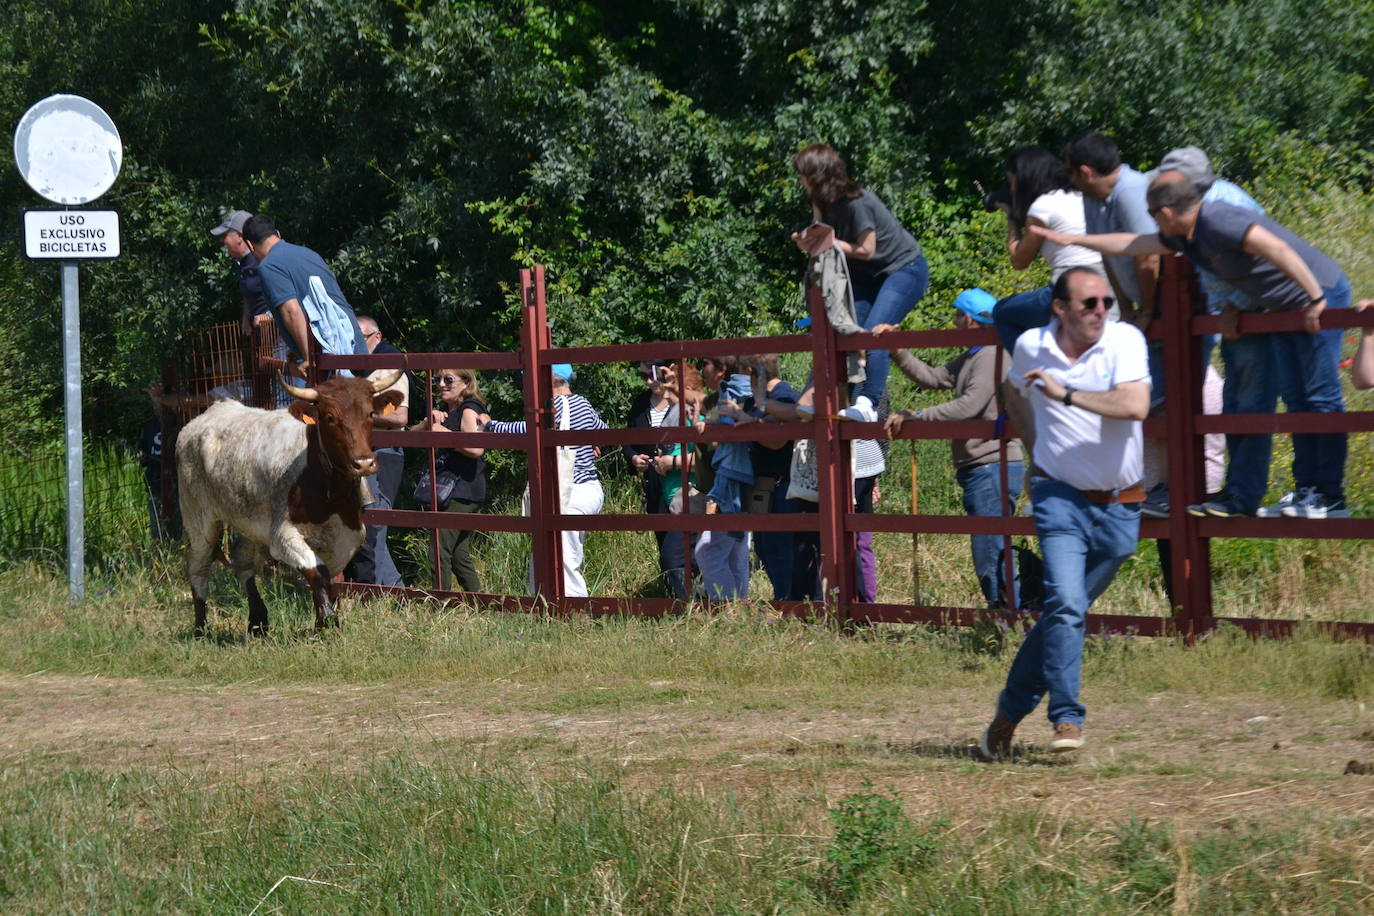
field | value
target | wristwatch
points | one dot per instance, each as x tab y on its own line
1068	395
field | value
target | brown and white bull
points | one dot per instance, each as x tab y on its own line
289	482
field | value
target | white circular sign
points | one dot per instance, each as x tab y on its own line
68	149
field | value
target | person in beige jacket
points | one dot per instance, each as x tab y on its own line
977	466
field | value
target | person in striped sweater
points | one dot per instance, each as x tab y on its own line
586	496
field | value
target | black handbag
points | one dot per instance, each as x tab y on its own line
425	490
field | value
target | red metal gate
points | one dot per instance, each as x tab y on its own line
836	522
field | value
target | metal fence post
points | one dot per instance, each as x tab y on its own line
1184	374
832	465
531	341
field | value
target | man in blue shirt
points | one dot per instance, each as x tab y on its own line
304	296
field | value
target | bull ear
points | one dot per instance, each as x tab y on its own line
386	402
305	411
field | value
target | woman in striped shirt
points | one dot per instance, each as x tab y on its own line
586	496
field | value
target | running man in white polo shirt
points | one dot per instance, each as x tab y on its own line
1087	382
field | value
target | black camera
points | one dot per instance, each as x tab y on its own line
993	199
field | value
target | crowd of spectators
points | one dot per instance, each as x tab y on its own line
1085	209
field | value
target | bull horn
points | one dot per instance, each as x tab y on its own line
382	384
304	394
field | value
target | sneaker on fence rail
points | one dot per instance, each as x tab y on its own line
1156	504
1067	737
861	410
1318	505
1291	498
1223	505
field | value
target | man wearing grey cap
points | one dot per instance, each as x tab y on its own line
256	309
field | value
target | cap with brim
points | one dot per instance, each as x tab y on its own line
977	304
562	370
233	222
1191	162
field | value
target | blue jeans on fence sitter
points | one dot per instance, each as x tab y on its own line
1018	313
775	548
1309	381
1305	369
982	488
1084	544
887	301
1250	386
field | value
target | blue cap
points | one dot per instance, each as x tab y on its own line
562	370
977	304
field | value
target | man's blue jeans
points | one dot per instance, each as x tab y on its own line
1305	369
982	488
1084	544
1250	386
1018	313
1310	382
887	302
373	562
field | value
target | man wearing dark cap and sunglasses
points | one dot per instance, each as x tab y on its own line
256	308
1087	382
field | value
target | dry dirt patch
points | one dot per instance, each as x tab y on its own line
1190	760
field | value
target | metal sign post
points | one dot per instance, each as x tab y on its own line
69	152
76	473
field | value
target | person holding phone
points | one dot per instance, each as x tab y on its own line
887	271
649	410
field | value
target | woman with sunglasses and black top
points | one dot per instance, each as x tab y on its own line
464	410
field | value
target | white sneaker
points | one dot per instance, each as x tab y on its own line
861	410
1319	506
1276	510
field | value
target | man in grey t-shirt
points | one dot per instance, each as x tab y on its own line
1279	271
1114	201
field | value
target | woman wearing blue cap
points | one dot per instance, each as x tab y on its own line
977	467
571	411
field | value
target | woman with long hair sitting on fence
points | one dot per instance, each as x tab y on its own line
887	271
463	409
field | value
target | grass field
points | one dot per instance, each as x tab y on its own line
432	759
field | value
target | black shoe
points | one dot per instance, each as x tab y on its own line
1156	504
1224	505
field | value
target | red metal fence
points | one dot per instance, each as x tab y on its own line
836	522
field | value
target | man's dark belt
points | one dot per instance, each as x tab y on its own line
1135	493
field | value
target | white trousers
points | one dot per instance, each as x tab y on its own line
584	499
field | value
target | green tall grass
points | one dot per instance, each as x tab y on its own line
33	506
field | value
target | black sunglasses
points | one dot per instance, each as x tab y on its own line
1090	304
448	379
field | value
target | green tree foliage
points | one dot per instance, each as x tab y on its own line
639	150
